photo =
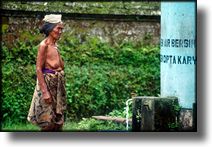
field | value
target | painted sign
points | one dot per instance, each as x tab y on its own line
178	56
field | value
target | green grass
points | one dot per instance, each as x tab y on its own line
19	127
86	124
90	124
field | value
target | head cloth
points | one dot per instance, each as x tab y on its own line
50	21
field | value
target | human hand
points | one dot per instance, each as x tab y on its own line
47	97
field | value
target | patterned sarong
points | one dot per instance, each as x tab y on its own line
43	114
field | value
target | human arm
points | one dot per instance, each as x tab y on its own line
40	63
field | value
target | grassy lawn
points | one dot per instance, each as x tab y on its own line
20	127
83	125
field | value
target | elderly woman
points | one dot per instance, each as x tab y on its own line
49	98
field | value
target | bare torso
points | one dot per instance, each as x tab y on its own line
53	59
48	57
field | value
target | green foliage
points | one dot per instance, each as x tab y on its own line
112	7
174	126
90	124
18	80
86	124
167	114
99	77
19	126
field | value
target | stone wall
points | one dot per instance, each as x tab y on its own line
21	28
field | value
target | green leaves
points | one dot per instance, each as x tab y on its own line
99	77
110	7
90	124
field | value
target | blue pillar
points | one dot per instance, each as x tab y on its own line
178	56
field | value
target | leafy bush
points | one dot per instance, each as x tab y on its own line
99	77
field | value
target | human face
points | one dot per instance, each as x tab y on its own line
57	31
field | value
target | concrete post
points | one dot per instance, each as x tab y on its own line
178	56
